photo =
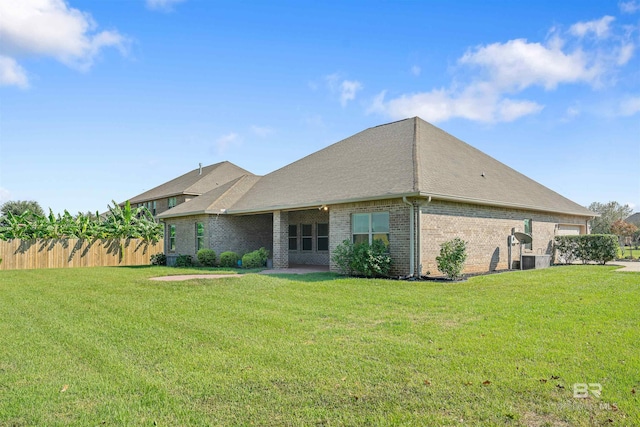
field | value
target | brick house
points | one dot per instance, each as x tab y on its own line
408	183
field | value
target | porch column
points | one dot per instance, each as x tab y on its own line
280	239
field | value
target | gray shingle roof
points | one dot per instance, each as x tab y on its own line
215	201
406	158
194	183
634	219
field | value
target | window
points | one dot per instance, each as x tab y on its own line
528	223
199	236
307	237
172	238
151	206
323	237
172	202
370	226
293	237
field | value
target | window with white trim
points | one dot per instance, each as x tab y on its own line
367	227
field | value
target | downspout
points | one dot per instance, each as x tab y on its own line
412	269
418	234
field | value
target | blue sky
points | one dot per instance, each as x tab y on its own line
104	100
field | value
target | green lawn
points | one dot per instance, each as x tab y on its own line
106	346
629	251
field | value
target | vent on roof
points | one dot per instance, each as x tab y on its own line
200	165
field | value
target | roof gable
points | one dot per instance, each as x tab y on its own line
374	163
194	182
215	201
405	158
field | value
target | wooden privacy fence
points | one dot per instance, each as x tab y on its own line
19	254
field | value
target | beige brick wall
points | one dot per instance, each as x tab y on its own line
185	235
240	234
279	254
485	229
340	228
314	256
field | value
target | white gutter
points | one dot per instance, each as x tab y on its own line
412	237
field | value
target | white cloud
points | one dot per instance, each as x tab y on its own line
223	143
518	64
630	106
12	74
5	195
475	103
51	28
415	70
489	76
346	89
625	53
599	27
162	5
631	6
261	131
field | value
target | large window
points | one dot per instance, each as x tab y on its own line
307	237
172	238
370	226
172	202
528	229
293	237
323	237
199	236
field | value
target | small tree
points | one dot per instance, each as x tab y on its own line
453	254
624	231
609	213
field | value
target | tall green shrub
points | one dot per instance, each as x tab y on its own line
600	248
363	259
452	256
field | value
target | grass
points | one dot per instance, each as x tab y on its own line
106	346
629	250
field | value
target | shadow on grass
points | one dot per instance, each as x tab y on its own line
307	277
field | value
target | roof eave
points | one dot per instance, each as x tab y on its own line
475	201
316	204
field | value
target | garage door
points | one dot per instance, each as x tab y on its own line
567	230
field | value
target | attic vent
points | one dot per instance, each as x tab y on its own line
482	175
